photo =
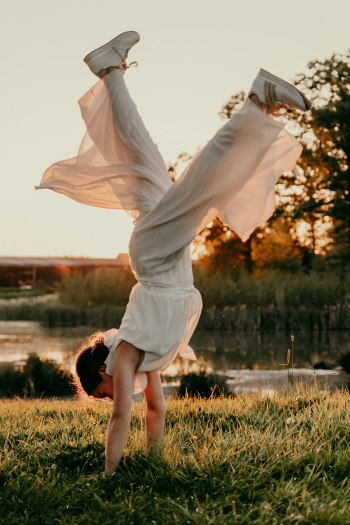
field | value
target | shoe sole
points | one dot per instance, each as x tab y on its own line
276	80
111	43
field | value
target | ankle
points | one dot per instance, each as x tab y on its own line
105	72
254	98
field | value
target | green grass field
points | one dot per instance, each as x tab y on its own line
247	460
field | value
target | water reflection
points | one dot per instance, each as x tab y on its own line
238	355
20	338
266	351
253	362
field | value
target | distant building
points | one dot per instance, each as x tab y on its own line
25	271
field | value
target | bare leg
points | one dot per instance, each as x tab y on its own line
155	415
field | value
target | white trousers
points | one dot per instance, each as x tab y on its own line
119	166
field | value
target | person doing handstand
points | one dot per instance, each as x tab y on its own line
119	166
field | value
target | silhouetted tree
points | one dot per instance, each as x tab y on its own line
325	135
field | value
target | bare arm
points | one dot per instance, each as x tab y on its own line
125	362
155	415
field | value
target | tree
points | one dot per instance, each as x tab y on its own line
175	168
269	247
325	135
222	250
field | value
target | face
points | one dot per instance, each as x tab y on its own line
104	389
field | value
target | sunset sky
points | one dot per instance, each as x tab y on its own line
193	55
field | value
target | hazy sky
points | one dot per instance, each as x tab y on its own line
193	55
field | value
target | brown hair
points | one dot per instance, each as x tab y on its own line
92	355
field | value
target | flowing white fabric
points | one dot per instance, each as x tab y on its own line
119	166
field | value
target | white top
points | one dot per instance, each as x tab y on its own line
160	320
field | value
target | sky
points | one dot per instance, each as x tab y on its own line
193	55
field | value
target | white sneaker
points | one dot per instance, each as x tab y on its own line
112	54
274	93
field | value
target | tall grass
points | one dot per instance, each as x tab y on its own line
276	318
267	302
96	289
274	289
55	315
279	290
226	319
242	460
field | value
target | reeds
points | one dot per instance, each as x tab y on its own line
231	318
271	302
58	315
290	364
282	291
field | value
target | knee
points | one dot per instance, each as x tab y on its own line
157	407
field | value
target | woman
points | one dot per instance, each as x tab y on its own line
119	166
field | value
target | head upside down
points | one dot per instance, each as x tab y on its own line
92	355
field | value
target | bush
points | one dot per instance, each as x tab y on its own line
37	378
344	362
203	384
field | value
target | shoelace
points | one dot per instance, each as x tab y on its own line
123	66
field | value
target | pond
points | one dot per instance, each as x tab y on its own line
253	361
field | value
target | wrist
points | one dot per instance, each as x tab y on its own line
110	467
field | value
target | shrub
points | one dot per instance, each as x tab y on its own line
35	379
344	362
203	385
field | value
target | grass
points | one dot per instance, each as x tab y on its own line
245	460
